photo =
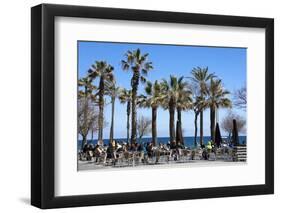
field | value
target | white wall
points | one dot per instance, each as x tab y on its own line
15	104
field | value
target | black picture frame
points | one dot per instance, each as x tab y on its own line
43	102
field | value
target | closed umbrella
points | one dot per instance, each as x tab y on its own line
218	139
179	137
235	138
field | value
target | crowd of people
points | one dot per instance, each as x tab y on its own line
144	152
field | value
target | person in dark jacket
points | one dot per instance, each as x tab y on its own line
173	148
149	150
141	151
111	151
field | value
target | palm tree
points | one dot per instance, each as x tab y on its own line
113	91
200	77
104	72
184	102
125	96
177	97
154	98
217	97
198	105
139	65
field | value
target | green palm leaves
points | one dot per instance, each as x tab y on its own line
217	98
200	78
211	94
139	65
87	87
104	72
154	98
176	94
177	97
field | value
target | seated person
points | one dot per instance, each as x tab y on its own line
174	150
133	147
180	146
149	150
119	147
208	149
111	151
141	150
86	148
209	146
168	145
173	145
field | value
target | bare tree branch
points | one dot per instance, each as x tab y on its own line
240	98
227	123
87	116
143	126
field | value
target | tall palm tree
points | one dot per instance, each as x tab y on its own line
104	72
113	91
200	77
198	104
177	97
217	98
139	65
154	98
184	102
125	96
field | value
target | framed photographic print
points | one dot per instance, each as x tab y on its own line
136	106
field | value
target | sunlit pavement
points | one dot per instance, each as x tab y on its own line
92	165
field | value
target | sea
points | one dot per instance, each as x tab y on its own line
188	141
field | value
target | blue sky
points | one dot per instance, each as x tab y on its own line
229	64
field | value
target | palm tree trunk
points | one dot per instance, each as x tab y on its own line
85	123
128	120
154	126
92	136
101	108
135	83
134	120
84	141
86	108
212	123
179	114
111	136
180	130
195	128
217	115
172	124
201	128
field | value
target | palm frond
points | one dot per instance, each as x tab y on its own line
142	79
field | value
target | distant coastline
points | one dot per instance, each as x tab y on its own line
188	141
